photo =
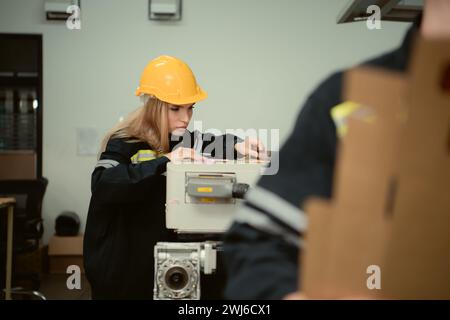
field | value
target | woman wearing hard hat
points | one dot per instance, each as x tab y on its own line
126	211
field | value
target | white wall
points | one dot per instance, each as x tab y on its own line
258	60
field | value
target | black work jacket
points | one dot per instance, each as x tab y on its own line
127	214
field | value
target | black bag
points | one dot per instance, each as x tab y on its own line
67	224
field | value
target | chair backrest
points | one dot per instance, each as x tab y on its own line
28	228
28	193
28	225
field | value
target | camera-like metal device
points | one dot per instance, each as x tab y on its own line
201	202
178	266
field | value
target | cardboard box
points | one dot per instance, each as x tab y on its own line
17	165
391	205
65	251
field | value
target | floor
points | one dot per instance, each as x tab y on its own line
54	287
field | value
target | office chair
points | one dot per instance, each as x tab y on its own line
28	224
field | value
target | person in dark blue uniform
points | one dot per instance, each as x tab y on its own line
261	248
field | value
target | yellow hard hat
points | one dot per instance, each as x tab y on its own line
170	80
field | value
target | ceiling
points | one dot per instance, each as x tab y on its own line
391	10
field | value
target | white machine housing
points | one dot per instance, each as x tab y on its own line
202	199
213	212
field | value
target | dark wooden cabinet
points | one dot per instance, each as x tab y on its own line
20	106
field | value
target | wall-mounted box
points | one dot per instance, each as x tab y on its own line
164	10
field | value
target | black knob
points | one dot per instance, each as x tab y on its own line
239	190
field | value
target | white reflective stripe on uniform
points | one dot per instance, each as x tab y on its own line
279	208
107	163
262	222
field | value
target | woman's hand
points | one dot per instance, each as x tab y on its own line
252	148
180	154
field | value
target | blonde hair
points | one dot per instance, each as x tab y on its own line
149	123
